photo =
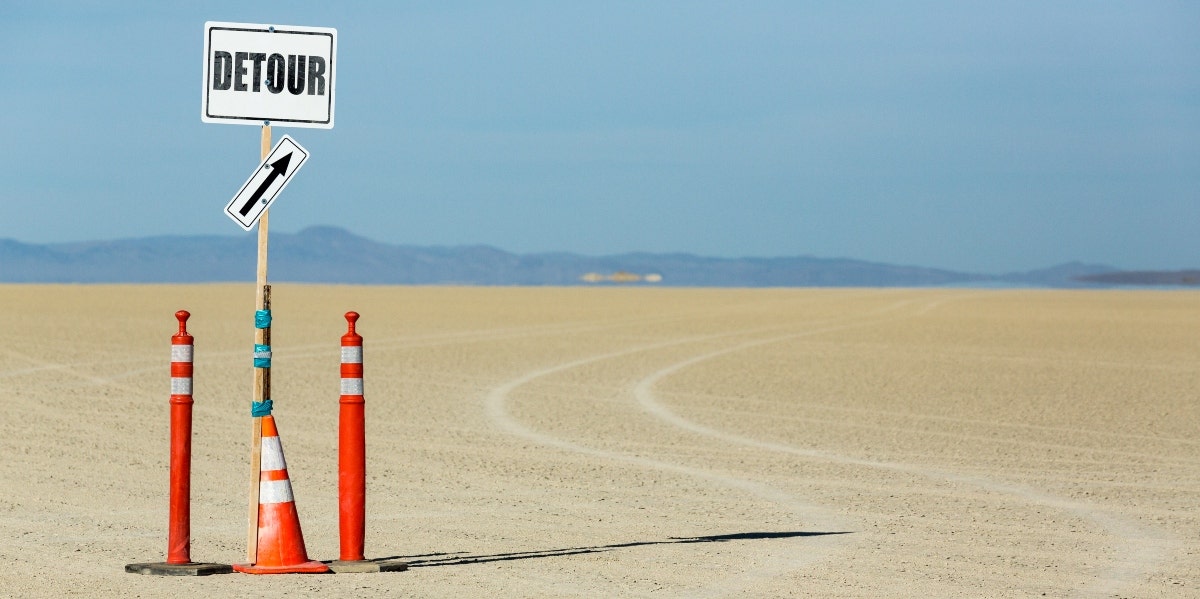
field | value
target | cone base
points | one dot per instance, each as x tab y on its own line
309	567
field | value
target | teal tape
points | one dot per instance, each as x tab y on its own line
260	408
262	319
262	356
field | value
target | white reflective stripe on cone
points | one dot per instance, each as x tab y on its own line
272	454
351	354
181	385
275	491
182	353
352	387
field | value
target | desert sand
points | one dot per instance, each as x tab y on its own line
623	442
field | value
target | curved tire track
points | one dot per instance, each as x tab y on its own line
812	515
1140	549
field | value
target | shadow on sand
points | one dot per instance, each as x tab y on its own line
429	560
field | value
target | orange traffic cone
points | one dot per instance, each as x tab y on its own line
280	541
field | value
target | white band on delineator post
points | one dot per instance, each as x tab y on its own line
352	354
181	385
352	386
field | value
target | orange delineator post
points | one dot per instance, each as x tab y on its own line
179	539
179	526
352	448
352	463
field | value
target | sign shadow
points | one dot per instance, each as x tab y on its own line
430	560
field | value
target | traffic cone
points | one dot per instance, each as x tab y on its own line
280	541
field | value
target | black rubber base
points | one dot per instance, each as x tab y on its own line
367	566
189	569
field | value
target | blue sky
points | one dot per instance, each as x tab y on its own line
987	137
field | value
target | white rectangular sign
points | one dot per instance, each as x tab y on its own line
279	73
265	183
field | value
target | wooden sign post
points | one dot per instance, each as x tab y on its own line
262	376
256	74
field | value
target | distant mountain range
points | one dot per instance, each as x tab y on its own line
331	255
1190	278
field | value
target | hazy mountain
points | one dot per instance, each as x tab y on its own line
1071	274
331	255
1189	278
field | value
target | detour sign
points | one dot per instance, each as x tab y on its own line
278	73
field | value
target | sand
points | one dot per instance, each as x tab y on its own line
623	442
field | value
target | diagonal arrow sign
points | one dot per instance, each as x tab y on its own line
279	167
266	182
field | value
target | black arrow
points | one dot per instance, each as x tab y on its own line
278	168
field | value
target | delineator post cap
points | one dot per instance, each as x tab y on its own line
351	337
182	316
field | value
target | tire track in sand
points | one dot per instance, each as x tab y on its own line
812	516
1139	548
820	517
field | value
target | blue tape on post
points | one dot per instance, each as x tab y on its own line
262	319
260	408
262	356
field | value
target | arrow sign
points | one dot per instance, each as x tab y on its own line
265	183
277	168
